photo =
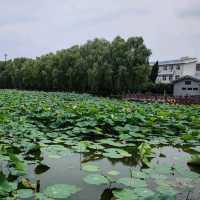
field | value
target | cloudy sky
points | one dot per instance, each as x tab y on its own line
171	28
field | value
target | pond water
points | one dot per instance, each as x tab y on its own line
69	170
79	147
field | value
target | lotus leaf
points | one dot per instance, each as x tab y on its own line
61	191
96	179
113	173
131	182
24	193
90	168
116	153
125	194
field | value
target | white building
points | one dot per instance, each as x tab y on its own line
174	69
186	86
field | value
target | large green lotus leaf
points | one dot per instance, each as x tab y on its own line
24	193
95	179
52	135
136	135
186	137
8	198
56	151
125	194
90	168
81	148
183	183
144	193
162	182
124	136
61	191
197	149
131	182
186	173
110	142
148	171
88	123
139	175
96	146
20	165
4	158
69	142
116	153
113	173
45	141
159	196
158	176
162	169
167	191
145	152
5	186
41	196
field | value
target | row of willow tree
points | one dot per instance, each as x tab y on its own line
98	66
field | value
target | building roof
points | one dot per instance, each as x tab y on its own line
186	78
182	60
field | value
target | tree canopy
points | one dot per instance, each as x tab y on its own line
98	66
154	72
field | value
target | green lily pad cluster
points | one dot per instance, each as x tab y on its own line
35	126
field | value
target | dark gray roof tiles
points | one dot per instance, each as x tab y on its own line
177	61
187	77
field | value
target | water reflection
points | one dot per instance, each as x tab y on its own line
107	194
38	186
67	170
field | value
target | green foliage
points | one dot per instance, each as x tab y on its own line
116	153
145	152
61	191
159	88
154	72
90	168
194	161
24	193
125	194
113	173
136	194
131	182
99	67
5	186
37	127
96	179
20	165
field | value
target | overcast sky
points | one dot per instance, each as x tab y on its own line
170	28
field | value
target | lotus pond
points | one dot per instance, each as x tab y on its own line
79	147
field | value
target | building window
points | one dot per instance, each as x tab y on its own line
195	89
178	67
177	77
164	78
171	68
170	77
183	88
189	88
198	67
187	82
165	67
